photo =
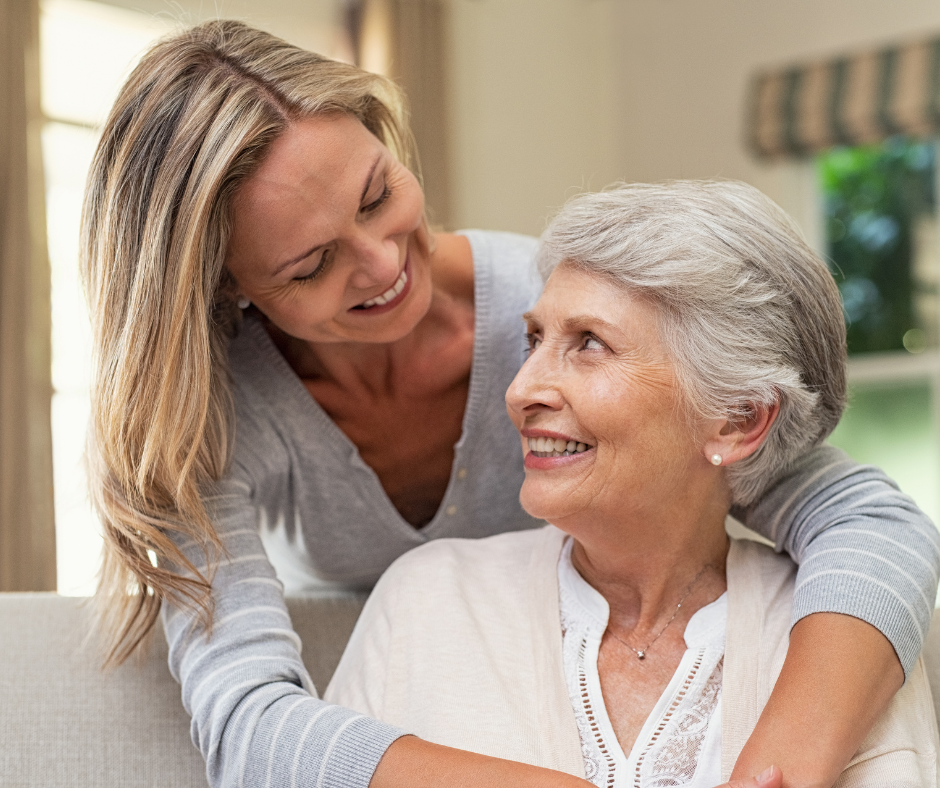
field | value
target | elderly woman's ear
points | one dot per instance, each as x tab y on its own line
730	440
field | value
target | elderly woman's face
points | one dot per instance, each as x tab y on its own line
598	380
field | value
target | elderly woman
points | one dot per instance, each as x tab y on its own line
687	348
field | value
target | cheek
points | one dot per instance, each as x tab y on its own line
606	407
633	417
303	310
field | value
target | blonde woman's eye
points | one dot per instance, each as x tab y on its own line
379	202
591	342
321	267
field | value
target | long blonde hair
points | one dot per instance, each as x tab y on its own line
192	122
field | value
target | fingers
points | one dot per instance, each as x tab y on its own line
771	777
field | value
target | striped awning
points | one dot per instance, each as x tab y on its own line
854	100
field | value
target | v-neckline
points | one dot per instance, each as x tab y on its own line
702	629
322	427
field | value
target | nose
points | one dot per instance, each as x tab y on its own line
377	261
535	387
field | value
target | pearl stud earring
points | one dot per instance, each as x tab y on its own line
716	459
243	303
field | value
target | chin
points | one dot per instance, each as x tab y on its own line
404	320
413	312
544	505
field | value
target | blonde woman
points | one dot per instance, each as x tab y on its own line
296	383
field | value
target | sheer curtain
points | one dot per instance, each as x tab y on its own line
418	64
27	529
405	40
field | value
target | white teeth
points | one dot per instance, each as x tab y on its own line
555	447
389	294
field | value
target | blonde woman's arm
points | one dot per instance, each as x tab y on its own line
894	739
255	713
869	562
413	763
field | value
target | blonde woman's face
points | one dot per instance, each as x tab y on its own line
325	236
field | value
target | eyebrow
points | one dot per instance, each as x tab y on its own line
582	322
575	322
305	255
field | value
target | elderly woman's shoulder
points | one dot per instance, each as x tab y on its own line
462	562
759	572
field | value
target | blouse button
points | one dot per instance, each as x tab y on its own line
462	473
451	510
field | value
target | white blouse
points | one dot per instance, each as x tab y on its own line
680	742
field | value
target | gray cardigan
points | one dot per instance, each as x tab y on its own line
299	508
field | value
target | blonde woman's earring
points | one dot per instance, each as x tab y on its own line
716	459
243	303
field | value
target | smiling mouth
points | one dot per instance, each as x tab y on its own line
389	295
555	447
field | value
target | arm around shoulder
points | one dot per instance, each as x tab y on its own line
864	548
869	563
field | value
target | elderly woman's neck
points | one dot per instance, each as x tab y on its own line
643	573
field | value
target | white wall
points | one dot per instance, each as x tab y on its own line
548	97
313	24
552	95
531	116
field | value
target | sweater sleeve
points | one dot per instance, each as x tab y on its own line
255	714
863	546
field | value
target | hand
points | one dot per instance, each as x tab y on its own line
771	777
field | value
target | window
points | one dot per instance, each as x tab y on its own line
87	50
883	240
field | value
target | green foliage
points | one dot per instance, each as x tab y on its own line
873	197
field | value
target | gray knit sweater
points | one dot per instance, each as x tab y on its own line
299	508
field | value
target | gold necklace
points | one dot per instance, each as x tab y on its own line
641	653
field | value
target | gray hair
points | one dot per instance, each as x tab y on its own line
750	314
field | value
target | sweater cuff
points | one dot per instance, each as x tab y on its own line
857	595
355	752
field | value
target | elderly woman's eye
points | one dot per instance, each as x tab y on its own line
532	342
591	342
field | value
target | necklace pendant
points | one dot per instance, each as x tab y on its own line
641	655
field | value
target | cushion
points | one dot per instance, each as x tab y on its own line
67	724
932	661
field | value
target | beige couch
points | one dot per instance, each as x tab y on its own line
65	724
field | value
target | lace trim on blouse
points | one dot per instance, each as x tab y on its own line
680	743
